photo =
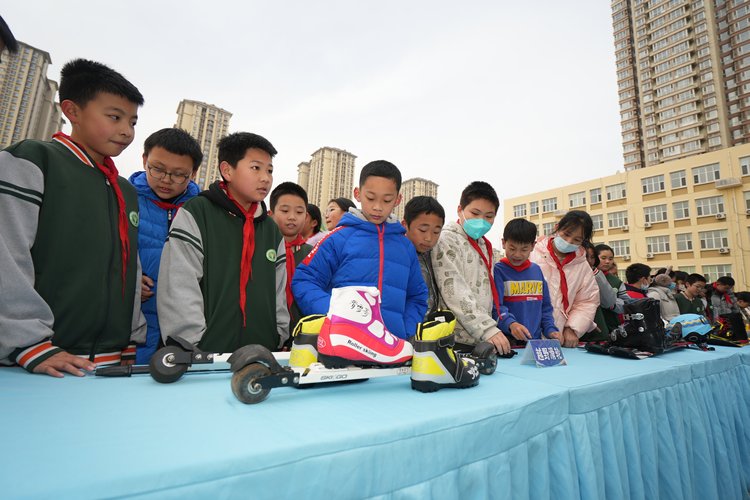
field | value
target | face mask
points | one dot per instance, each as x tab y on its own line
563	246
644	287
476	228
672	286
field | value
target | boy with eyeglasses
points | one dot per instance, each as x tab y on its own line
170	159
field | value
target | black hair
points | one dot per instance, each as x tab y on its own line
81	80
637	271
694	278
479	190
176	141
662	270
423	205
314	213
588	245
344	203
381	168
601	247
744	296
233	147
726	280
575	219
520	231
679	276
287	188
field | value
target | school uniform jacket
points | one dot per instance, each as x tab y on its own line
61	260
199	277
583	292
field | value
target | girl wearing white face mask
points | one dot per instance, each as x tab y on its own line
572	288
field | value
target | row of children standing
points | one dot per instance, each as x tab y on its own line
232	272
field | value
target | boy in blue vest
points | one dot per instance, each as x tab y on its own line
171	158
525	306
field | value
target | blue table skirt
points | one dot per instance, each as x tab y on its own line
667	427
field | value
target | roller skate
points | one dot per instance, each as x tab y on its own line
305	341
354	334
435	364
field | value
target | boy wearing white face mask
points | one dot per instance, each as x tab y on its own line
463	264
572	287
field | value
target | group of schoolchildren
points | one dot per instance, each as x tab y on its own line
98	270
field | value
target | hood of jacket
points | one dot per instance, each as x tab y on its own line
218	197
355	218
140	182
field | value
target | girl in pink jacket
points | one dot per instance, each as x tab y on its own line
572	288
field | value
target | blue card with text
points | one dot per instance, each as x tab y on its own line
543	353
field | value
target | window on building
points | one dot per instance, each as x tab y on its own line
746	194
657	244
745	162
616	192
709	206
620	247
657	213
549	205
713	240
617	219
678	179
548	228
534	207
684	242
598	221
653	184
519	210
596	194
681	210
706	173
577	199
712	273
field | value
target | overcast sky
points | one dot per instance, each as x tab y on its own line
520	94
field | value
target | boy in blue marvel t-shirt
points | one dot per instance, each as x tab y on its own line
525	306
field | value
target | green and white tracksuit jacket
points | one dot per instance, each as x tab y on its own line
62	285
199	277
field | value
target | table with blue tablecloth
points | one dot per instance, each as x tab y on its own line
672	426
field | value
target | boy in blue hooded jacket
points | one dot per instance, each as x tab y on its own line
367	248
171	158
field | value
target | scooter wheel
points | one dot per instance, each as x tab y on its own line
489	365
162	367
245	384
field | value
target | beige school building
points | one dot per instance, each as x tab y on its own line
692	213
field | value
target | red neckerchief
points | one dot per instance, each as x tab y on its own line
726	295
563	279
248	248
165	205
111	174
291	247
526	264
488	264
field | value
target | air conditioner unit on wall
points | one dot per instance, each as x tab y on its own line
723	250
646	225
721	216
747	212
625	228
649	255
626	257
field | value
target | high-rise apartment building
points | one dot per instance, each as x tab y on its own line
27	98
683	73
207	124
414	187
328	175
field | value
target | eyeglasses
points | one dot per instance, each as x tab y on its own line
159	174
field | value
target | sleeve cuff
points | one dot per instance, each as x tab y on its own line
128	354
30	357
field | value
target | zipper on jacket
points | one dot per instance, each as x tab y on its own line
381	234
108	282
